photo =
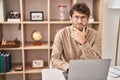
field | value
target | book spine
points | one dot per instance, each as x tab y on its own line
5	62
2	63
8	62
4	57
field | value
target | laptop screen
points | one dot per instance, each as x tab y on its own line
92	69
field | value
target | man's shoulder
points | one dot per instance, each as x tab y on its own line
93	33
63	30
91	30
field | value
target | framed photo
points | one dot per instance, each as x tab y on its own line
37	63
36	16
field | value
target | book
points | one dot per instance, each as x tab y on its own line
13	19
5	62
114	71
8	62
2	63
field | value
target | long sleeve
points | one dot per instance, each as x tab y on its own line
66	48
92	50
57	58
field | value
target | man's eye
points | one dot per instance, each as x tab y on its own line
83	17
77	17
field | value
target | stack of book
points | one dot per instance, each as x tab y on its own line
114	71
5	62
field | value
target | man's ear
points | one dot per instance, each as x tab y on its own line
70	18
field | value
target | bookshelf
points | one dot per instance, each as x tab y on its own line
27	52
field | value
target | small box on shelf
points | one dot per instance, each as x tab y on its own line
13	16
18	68
13	20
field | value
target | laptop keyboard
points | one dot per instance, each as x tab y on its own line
65	75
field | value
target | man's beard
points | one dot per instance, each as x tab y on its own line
80	26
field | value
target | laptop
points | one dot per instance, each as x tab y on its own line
92	69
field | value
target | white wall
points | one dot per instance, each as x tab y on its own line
2	12
109	32
118	62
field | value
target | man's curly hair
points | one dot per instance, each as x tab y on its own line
81	8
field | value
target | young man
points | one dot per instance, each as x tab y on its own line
77	41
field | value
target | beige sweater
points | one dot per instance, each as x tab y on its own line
65	48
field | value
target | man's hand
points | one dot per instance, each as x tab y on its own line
79	35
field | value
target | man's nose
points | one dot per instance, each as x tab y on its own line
79	20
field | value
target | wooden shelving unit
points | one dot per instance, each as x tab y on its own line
27	52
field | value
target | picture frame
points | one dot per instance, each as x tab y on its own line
37	63
36	16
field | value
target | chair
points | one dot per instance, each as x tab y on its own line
52	74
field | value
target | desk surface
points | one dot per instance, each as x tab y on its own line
111	78
47	74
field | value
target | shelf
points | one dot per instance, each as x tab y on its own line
69	22
45	22
95	22
35	22
31	70
12	71
30	45
5	22
23	29
19	48
56	21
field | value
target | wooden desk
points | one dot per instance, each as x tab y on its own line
54	74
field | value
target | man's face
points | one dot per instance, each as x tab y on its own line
79	20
